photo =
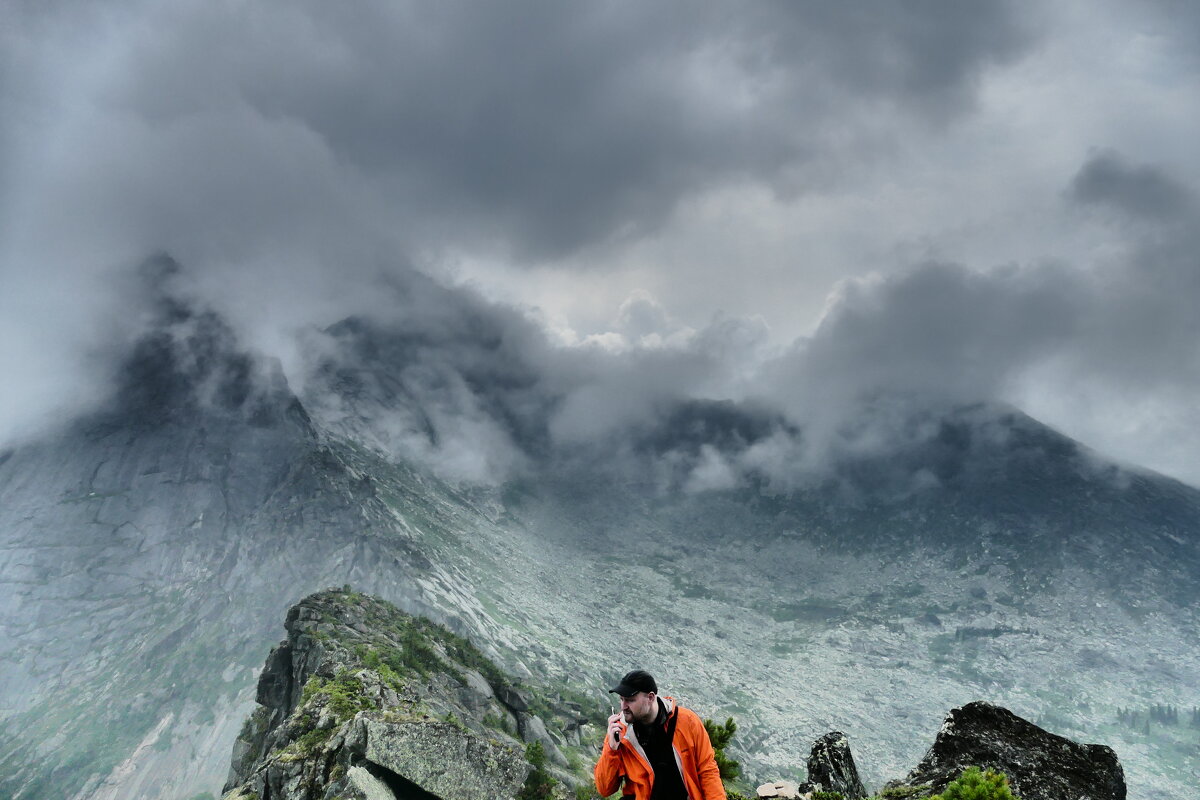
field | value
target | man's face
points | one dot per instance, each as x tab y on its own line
641	707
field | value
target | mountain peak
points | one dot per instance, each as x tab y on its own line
189	361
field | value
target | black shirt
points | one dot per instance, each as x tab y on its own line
668	783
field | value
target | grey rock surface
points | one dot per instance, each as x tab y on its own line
368	786
831	766
514	699
532	729
445	760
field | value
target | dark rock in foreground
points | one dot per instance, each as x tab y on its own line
1039	764
831	767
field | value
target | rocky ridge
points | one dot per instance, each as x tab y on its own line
364	701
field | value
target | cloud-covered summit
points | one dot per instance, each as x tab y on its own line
572	221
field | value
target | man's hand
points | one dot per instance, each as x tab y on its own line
613	737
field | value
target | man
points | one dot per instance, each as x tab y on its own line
658	748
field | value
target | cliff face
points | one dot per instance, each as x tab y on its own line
364	701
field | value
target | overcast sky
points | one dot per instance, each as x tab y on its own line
810	202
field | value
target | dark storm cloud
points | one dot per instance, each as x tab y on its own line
1140	191
1144	328
535	124
296	159
477	391
944	335
287	152
943	328
937	337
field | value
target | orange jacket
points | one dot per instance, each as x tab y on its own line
693	754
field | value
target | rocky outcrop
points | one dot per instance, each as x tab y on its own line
439	757
364	702
1039	764
831	767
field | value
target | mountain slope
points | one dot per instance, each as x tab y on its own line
145	552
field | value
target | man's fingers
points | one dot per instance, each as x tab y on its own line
614	731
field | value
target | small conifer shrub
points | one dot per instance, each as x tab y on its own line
539	783
720	735
975	784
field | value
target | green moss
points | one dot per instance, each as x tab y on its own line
312	741
904	792
416	638
374	658
344	694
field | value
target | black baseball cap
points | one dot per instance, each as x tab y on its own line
637	681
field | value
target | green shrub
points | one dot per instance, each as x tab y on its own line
823	795
975	784
539	783
720	735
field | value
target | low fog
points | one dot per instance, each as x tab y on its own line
744	242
